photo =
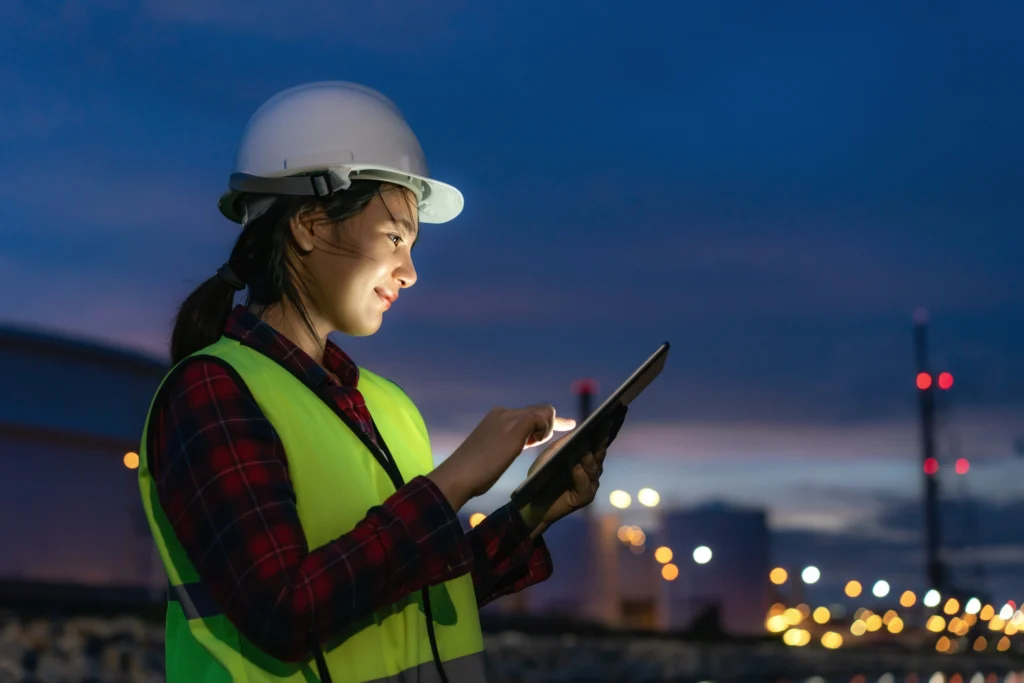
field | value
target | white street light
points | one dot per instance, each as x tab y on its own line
648	497
702	554
932	598
881	588
810	574
620	499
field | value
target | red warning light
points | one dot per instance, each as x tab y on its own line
945	380
931	466
584	386
962	465
924	380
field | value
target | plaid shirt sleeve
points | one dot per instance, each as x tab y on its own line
222	478
221	474
506	559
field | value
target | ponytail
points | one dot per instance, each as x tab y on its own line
202	317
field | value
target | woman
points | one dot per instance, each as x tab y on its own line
292	494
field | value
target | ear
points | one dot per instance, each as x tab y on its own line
302	225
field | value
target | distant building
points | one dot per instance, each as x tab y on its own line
70	510
735	580
564	594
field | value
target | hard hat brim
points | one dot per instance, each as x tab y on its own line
438	202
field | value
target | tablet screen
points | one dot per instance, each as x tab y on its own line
555	474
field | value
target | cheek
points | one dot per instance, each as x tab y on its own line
355	282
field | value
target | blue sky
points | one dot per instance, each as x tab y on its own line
772	187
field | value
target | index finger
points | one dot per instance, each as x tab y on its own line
563	424
545	429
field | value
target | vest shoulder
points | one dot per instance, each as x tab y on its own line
391	388
381	380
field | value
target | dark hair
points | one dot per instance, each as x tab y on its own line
260	258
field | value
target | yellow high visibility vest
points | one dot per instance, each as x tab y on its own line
337	480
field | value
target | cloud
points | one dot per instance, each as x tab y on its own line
1008	556
100	308
982	520
988	434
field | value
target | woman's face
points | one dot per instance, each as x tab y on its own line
357	269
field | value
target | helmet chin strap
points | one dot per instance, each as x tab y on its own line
254	206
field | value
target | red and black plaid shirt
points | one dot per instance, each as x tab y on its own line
221	474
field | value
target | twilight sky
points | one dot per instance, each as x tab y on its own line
772	187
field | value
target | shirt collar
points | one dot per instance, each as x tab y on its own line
249	330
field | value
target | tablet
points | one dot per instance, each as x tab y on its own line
555	475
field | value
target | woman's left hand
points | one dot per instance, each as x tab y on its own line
586	477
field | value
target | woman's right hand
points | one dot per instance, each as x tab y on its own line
488	451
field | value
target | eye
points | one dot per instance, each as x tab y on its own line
395	239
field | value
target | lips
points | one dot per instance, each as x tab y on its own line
388	297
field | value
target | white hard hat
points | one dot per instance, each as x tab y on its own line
314	139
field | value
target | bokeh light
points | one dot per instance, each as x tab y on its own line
831	640
619	499
702	555
648	497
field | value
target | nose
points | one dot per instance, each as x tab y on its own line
405	274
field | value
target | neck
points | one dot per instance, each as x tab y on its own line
290	323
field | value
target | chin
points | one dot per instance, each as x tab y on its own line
361	329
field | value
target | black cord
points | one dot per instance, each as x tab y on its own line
321	663
433	638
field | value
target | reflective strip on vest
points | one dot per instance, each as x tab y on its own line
468	668
197	603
